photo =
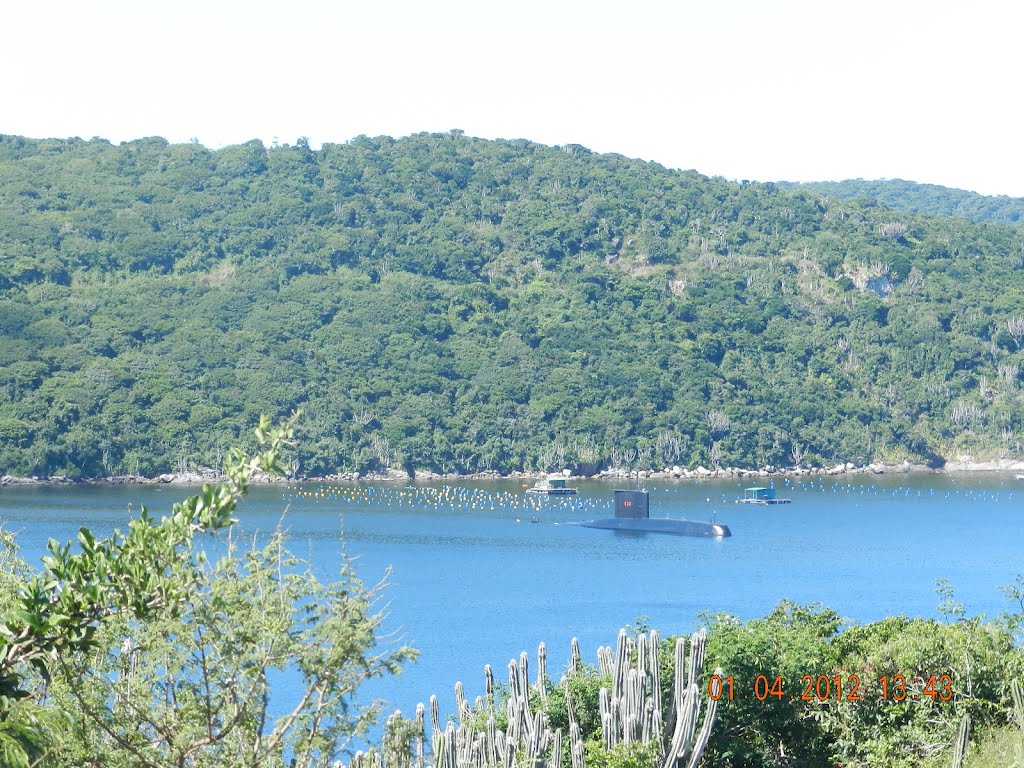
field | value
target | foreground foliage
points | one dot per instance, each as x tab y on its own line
441	302
140	652
778	703
198	688
909	724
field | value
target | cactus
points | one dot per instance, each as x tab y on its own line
575	658
960	747
542	672
1018	703
489	684
435	720
420	731
631	713
576	748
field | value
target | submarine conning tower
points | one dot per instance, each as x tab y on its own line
634	505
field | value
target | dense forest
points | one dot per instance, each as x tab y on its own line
456	304
930	199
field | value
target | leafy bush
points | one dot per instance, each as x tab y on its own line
831	710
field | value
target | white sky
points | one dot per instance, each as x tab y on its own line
804	90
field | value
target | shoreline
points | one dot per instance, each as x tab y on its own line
201	476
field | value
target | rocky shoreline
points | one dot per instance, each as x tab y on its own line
200	476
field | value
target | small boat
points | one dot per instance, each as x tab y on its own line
553	485
760	495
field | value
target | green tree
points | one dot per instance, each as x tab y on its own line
145	654
195	687
765	723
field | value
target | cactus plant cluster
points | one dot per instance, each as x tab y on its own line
631	712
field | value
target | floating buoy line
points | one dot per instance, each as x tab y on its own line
447	498
528	507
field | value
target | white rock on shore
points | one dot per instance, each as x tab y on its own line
967	464
676	472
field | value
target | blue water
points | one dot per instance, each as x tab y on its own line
475	581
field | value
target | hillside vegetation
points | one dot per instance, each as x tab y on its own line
447	303
931	199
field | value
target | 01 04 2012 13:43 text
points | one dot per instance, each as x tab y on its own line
834	687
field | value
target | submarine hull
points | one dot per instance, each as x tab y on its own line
661	525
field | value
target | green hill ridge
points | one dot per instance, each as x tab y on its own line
455	304
911	196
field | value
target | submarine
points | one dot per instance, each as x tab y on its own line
632	513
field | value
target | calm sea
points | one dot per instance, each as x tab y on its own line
480	574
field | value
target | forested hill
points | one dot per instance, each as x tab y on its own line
458	304
930	199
